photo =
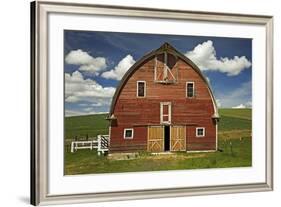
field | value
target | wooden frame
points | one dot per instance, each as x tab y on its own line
169	104
124	134
204	133
155	140
166	70
185	137
144	89
193	93
39	101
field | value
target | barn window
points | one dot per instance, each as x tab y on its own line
141	89
128	133
189	89
165	112
200	132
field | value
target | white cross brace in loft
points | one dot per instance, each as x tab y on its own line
165	72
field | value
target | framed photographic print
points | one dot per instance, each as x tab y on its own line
135	103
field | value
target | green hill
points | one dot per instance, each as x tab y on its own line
237	113
235	119
81	126
92	125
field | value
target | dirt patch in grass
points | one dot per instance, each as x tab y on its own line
151	156
174	156
235	134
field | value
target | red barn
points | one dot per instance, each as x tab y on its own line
163	103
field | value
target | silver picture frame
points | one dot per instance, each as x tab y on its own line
39	100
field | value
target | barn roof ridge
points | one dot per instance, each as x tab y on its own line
164	47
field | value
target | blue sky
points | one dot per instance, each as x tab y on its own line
96	61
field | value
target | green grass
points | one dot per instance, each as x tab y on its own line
234	141
235	123
87	162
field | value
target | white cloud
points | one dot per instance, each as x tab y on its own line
69	113
119	70
204	56
249	104
218	103
240	106
89	110
96	104
79	89
72	113
82	112
72	99
87	62
243	106
83	104
240	94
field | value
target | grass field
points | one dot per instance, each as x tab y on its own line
234	141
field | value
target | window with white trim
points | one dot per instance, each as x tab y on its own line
165	113
128	133
190	89
141	88
200	131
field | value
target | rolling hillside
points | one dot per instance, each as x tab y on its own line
92	125
81	126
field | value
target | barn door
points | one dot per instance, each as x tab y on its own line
178	138
155	139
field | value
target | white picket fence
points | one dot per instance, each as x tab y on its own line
101	144
75	145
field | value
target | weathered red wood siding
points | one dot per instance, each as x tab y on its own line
138	113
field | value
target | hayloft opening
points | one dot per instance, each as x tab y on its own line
165	70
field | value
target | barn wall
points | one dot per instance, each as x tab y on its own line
118	143
137	113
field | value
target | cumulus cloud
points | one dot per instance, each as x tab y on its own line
69	113
97	104
204	56
119	70
243	106
241	94
249	104
85	61
240	106
81	112
218	101
79	89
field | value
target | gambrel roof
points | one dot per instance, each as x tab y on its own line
166	47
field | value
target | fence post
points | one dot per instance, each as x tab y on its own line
99	145
231	148
72	146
